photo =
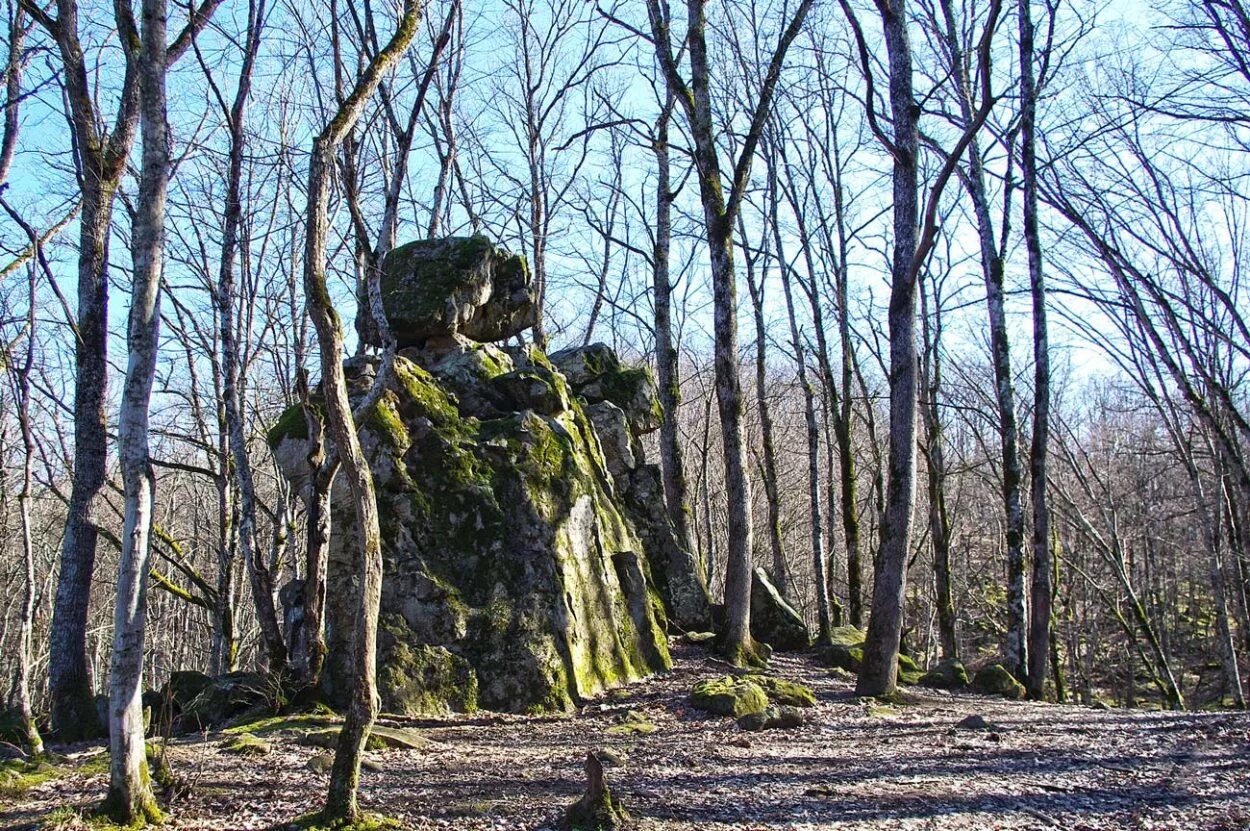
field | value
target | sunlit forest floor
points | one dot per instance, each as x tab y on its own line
854	765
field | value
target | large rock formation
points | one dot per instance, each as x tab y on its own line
516	576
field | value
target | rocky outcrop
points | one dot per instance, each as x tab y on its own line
517	574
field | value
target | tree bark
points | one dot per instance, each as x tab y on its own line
780	572
341	801
1041	589
823	614
130	797
935	462
259	577
879	673
667	370
1016	645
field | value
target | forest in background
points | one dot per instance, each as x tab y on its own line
943	298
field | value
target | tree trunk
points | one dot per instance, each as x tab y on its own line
69	676
1041	589
130	798
341	802
666	356
259	576
780	573
25	710
879	673
1016	646
824	617
935	462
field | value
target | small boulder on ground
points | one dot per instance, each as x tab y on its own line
226	697
977	721
773	620
246	744
729	696
783	692
949	674
995	679
781	717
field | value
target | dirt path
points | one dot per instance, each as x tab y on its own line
853	766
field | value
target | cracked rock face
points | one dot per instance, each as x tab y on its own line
522	571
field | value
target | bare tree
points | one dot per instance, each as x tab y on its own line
719	214
341	800
130	797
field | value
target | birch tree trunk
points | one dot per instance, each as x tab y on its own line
130	798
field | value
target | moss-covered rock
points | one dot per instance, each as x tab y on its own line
417	679
597	374
949	674
783	692
773	620
729	696
909	672
246	744
995	679
849	658
506	579
847	636
226	697
183	686
456	285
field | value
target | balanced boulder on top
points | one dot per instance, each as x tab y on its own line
456	286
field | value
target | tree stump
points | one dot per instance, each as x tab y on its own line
596	810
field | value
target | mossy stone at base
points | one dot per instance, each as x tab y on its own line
783	692
773	620
949	674
729	696
416	679
782	717
840	656
847	636
995	679
909	672
246	744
